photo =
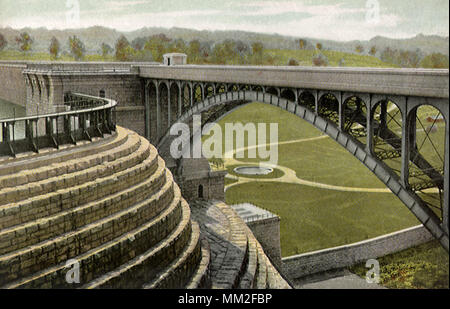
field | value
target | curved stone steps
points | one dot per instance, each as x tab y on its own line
145	267
112	254
29	161
261	273
73	218
48	179
89	236
201	279
228	276
179	272
228	241
248	277
54	202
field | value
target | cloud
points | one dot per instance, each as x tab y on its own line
298	18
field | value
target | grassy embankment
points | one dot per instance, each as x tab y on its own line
278	57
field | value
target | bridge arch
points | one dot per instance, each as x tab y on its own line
289	94
307	99
355	117
163	91
387	130
390	178
210	90
198	92
186	97
174	106
329	107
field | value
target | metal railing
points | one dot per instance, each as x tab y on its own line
87	117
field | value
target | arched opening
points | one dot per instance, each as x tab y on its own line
185	98
329	108
210	90
355	118
198	93
153	116
200	192
288	94
174	96
258	89
387	134
164	107
233	88
273	91
307	99
221	88
427	155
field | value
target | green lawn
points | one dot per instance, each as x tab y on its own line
422	267
16	55
280	57
314	218
304	57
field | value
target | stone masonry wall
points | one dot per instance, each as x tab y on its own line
125	89
213	187
12	83
267	231
344	256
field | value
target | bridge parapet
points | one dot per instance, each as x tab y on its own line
407	82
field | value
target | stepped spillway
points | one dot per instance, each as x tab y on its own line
112	206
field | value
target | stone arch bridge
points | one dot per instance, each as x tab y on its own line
387	118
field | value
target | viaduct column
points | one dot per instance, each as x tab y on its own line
158	114
446	171
147	111
406	143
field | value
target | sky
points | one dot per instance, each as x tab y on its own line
342	20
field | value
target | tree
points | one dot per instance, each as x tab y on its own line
24	41
138	43
54	48
3	42
302	43
193	51
388	55
257	48
320	60
319	46
124	51
76	48
409	59
373	50
293	62
435	61
257	53
106	50
179	46
359	49
157	45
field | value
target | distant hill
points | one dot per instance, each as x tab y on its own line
93	37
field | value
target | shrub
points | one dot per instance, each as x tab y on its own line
320	60
293	62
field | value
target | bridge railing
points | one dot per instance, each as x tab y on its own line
87	117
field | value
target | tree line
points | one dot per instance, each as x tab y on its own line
229	51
